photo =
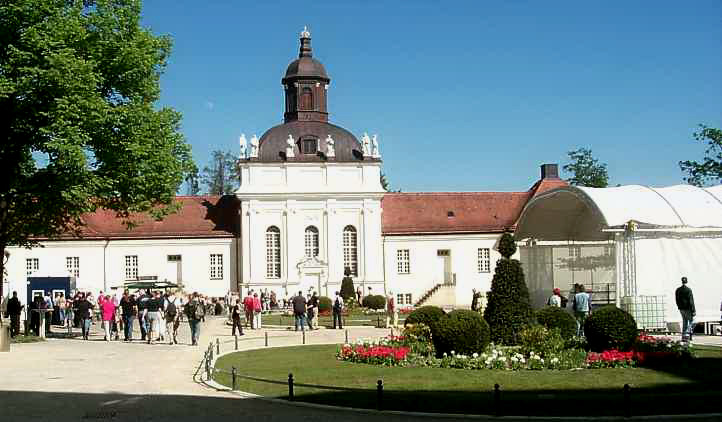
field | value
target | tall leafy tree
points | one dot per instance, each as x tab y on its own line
586	170
221	175
708	170
193	181
79	81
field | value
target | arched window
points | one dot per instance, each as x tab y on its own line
273	252
311	241
306	99
350	252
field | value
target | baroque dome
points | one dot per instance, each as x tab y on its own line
272	145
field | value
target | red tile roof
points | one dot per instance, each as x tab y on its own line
457	212
442	212
199	217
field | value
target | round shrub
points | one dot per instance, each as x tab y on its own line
426	315
461	331
324	303
374	301
553	317
610	328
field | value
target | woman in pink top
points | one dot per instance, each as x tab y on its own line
107	308
256	311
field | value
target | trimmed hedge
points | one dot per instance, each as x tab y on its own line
553	317
374	301
324	303
461	331
347	290
610	328
427	315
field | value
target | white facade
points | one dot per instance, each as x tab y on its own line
101	264
326	198
464	261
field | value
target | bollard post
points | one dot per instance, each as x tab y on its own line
379	394
290	387
378	321
627	401
497	400
266	338
233	378
346	336
70	329
304	336
280	320
236	342
208	370
218	346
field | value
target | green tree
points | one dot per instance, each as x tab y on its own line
193	182
221	175
508	307
80	128
710	169
586	170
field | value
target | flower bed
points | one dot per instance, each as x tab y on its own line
610	359
374	354
659	350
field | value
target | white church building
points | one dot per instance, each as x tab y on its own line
309	207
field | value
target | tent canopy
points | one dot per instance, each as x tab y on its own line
580	213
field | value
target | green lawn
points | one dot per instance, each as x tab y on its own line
21	338
354	319
689	388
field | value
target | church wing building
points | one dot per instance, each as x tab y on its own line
309	209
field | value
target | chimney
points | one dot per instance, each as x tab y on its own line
549	171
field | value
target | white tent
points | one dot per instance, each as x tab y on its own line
660	235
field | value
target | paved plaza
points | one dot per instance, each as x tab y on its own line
76	380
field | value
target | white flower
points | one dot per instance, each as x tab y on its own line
444	354
452	352
501	359
514	359
555	360
475	355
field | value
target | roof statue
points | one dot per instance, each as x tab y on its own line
366	144
330	147
254	147
290	142
244	146
305	33
375	153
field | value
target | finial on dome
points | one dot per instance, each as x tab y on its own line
305	33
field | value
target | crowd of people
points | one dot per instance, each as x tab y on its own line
158	314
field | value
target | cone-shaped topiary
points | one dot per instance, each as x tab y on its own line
508	307
347	289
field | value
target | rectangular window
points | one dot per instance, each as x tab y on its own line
309	146
575	251
403	265
609	250
408	299
399	299
32	265
216	266
72	263
174	258
131	267
483	261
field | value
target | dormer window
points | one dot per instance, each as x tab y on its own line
309	146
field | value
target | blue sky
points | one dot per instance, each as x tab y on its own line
465	96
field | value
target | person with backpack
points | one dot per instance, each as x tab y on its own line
172	318
337	310
195	312
128	309
311	312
